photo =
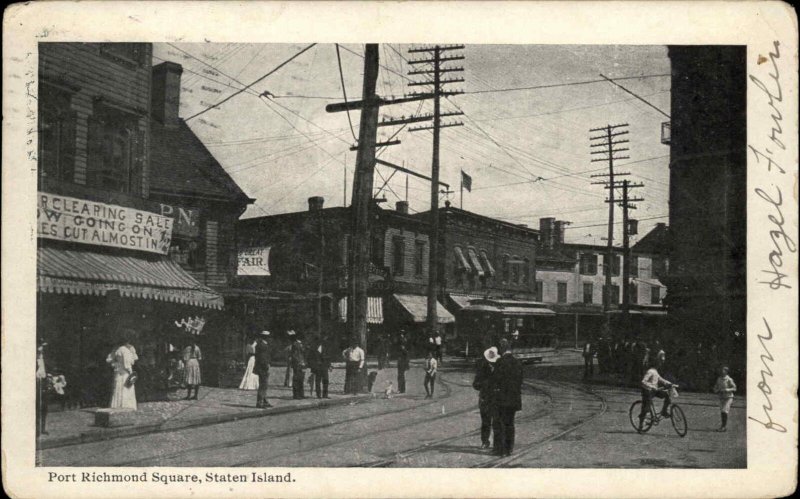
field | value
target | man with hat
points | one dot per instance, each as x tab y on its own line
506	383
288	351
261	368
483	373
298	362
41	390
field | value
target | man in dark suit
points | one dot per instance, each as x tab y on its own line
319	360
261	369
506	383
484	370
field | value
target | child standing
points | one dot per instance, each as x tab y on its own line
725	387
430	374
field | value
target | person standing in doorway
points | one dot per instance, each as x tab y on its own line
298	369
261	368
122	360
507	392
484	370
192	357
41	390
402	367
725	388
431	366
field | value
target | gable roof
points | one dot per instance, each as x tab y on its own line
181	164
656	241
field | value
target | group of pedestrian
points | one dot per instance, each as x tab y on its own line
498	380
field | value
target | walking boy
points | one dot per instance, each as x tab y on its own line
725	387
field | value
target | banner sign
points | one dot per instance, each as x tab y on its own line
88	222
253	261
186	221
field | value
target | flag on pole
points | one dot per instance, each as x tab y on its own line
466	181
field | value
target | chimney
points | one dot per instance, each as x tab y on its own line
315	203
558	232
402	207
546	231
166	92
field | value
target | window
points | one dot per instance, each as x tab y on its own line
187	252
56	134
562	292
588	292
539	290
615	265
634	266
398	255
487	265
419	257
130	53
116	151
588	264
526	270
655	295
515	271
506	269
376	249
633	289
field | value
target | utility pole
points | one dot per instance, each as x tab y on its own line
436	70
607	143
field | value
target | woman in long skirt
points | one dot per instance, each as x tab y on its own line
122	360
192	358
250	380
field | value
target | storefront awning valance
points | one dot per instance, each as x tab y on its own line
462	300
374	310
417	308
508	311
90	273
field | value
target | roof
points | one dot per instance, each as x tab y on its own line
655	241
181	164
453	211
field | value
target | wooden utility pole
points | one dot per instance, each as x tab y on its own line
437	70
362	197
626	205
606	142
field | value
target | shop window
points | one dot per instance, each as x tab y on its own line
398	255
189	253
562	292
655	295
588	264
419	257
616	260
539	290
116	151
588	293
56	134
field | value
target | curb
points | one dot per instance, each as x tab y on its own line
166	426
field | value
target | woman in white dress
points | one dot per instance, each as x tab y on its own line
191	376
122	360
250	380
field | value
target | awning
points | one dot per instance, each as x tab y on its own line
417	307
509	311
462	300
641	311
460	260
489	268
90	273
374	309
476	263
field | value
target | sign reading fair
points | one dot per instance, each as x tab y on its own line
253	261
89	222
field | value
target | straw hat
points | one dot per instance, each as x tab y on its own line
491	354
264	333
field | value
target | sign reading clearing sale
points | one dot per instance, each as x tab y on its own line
89	222
253	261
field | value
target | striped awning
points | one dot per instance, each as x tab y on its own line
374	310
476	262
417	308
89	273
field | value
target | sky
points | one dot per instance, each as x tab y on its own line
526	149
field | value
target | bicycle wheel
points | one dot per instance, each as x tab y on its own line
678	420
633	414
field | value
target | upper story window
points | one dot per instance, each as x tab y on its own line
655	295
56	134
616	260
562	292
539	290
419	257
116	151
506	269
588	264
398	255
515	270
588	293
128	53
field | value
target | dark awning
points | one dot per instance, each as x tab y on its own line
417	308
90	273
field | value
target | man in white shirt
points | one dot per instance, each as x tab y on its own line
354	361
652	386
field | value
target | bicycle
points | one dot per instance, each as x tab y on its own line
652	418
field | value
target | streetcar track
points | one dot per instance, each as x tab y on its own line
288	433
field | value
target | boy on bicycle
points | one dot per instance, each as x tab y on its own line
652	384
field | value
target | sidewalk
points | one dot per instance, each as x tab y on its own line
215	405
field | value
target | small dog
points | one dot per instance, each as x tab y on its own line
387	393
